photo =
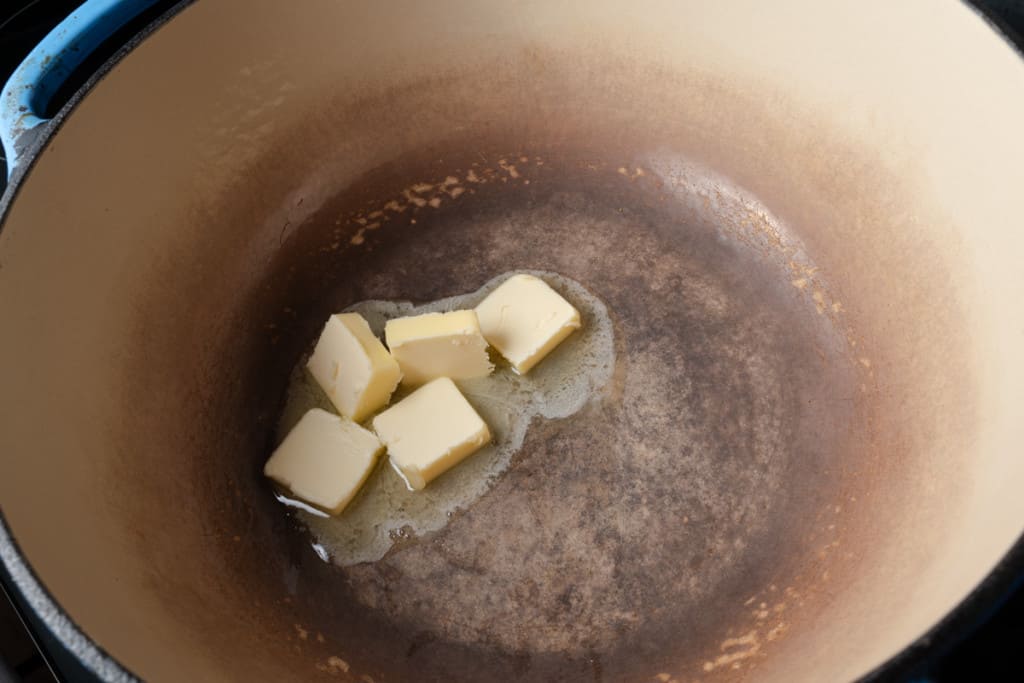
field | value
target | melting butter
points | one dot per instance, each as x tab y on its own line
385	511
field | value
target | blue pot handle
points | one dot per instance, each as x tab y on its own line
37	78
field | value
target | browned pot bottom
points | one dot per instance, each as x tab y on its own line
628	540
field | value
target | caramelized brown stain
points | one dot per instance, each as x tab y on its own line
623	538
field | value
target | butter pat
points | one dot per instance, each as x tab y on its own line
430	431
352	367
524	319
436	345
324	460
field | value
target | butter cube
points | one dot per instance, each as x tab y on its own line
430	431
352	367
436	345
524	319
324	460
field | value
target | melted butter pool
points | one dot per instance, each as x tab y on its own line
385	511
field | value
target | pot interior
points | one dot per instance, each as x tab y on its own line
802	434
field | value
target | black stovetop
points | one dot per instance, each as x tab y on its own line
989	653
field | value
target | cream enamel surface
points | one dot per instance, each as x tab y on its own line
430	431
352	367
524	319
324	460
436	345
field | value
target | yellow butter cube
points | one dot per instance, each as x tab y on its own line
524	319
430	431
324	460
436	345
352	367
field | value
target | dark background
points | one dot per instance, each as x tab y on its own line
991	653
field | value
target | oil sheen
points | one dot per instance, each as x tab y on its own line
385	512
